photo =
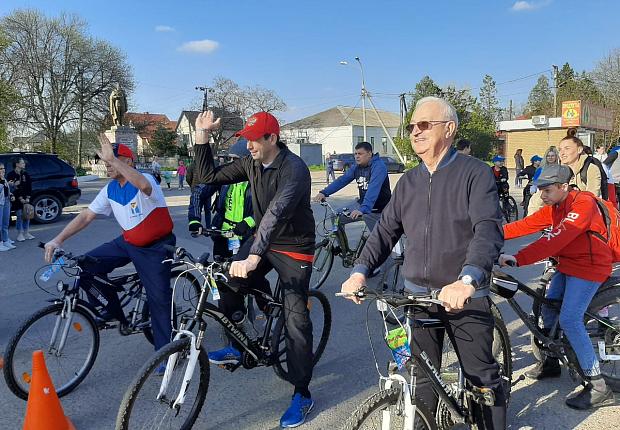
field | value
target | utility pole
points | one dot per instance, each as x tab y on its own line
510	111
403	114
555	89
205	100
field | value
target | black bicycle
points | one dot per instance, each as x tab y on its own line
508	205
68	329
333	241
396	406
175	400
602	322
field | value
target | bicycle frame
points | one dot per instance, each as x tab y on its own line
258	352
337	235
548	341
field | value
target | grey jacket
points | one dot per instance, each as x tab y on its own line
452	221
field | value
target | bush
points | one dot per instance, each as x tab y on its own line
80	171
316	168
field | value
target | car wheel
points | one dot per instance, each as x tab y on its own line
47	209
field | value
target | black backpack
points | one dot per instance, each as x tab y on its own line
583	173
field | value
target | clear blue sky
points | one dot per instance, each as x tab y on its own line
294	47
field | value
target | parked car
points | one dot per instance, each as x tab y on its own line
342	162
393	165
54	183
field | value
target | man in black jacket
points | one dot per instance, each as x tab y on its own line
448	208
284	238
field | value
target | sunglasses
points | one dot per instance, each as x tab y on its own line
423	125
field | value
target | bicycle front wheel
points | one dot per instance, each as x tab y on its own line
386	410
321	317
321	264
141	407
67	364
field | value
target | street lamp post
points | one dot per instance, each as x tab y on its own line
364	94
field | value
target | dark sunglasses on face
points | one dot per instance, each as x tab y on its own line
423	125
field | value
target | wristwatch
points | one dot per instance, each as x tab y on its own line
468	280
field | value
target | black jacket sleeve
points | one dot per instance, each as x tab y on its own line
485	217
284	203
205	171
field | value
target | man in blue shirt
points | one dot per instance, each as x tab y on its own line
373	184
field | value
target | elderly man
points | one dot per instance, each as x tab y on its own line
448	208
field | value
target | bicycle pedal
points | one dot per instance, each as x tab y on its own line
126	330
230	367
484	396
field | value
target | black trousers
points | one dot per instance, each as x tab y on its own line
471	333
294	282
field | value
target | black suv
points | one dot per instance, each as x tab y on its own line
54	183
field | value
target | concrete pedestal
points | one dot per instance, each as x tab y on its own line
125	135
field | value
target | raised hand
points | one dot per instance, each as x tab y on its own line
107	152
205	123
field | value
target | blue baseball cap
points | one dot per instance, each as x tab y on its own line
535	158
498	158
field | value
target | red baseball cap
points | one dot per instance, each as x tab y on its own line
125	151
258	125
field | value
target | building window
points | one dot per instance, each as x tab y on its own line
372	141
384	144
360	139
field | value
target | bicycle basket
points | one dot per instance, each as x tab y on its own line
503	285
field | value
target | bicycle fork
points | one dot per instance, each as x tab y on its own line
407	397
194	352
67	315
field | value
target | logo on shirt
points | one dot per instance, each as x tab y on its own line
135	209
362	183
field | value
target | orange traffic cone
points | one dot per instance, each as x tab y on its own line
44	410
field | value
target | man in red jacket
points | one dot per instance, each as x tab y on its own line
584	262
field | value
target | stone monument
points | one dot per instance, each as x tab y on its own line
120	133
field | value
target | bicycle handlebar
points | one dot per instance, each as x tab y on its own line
80	259
397	300
180	253
208	232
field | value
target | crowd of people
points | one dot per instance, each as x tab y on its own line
262	194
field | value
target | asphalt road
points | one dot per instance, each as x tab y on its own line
256	398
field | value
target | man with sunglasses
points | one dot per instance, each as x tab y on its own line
284	239
449	210
137	202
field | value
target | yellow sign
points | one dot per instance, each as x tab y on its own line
571	113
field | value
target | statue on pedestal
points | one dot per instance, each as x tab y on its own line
118	105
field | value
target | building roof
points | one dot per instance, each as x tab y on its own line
146	123
345	115
526	124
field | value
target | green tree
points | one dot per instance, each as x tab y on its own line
479	129
540	100
163	142
8	101
426	87
488	98
574	86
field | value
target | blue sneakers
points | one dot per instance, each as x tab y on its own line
296	414
228	355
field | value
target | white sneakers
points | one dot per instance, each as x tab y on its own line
20	237
8	244
3	248
28	236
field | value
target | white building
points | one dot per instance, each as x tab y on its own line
340	128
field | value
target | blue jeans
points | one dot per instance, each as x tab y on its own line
576	295
21	224
5	217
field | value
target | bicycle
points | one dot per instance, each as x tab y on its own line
155	402
334	242
604	331
68	329
508	205
396	406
